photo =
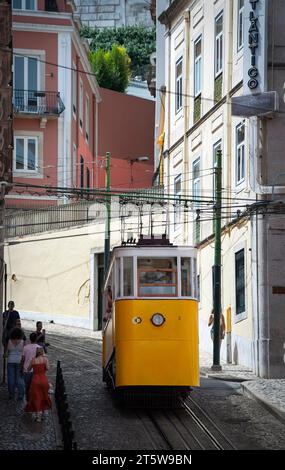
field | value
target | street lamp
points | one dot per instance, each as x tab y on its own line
143	158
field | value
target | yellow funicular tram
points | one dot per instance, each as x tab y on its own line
150	339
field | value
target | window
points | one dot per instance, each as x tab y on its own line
178	81
240	24
157	277
196	181
26	79
74	164
87	118
128	277
197	66
87	178
81	172
219	44
81	104
26	154
25	83
240	154
24	4
240	282
74	86
177	192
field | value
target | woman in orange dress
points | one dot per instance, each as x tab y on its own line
38	399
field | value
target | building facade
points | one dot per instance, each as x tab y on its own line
55	104
223	89
64	124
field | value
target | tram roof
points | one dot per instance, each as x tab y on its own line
154	250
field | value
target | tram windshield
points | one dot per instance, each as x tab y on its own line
157	277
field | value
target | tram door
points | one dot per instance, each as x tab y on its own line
99	290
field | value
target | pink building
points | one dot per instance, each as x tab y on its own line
63	122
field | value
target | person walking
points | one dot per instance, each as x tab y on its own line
38	399
14	364
29	353
222	326
9	318
41	336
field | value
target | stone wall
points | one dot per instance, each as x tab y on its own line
114	13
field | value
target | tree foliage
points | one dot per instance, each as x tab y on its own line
112	68
139	42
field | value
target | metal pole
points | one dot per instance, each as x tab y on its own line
108	215
217	264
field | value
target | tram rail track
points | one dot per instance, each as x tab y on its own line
185	428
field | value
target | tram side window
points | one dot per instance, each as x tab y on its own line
128	277
157	277
186	277
118	278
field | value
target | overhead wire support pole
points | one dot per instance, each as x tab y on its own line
217	263
108	215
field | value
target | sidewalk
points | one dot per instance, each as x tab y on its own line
271	393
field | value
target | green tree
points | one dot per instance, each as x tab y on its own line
112	68
138	41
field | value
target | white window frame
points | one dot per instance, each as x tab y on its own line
197	67
23	6
178	86
240	25
219	42
196	184
74	89
81	104
26	56
177	207
25	169
240	156
87	118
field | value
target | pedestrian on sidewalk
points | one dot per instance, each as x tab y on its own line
39	400
222	326
9	318
29	353
18	324
14	364
41	336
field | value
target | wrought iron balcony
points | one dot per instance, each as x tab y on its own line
41	103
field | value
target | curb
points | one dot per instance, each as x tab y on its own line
273	409
228	378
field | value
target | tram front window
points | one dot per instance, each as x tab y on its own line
157	277
186	277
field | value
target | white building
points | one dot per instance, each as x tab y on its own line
215	52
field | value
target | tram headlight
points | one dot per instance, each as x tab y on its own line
157	319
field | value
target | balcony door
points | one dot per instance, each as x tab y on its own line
26	80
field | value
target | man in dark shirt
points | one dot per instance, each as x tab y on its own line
10	317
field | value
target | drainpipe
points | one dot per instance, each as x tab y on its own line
186	116
168	35
262	293
97	145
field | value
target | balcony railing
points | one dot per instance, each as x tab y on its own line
42	103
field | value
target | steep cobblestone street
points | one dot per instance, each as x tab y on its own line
100	424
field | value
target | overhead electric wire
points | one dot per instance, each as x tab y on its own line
186	95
